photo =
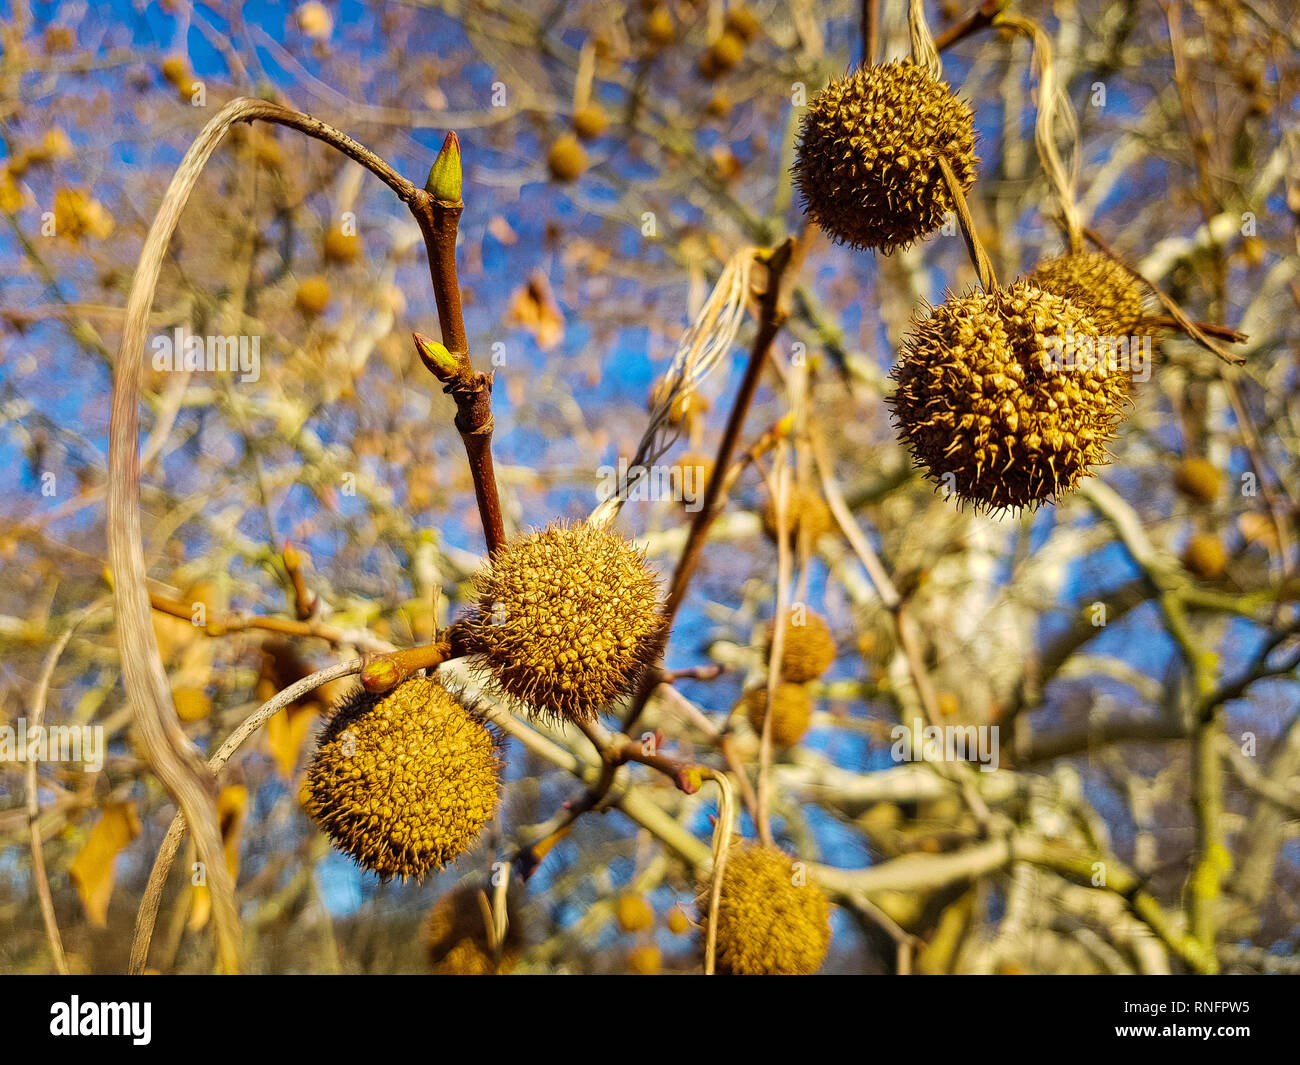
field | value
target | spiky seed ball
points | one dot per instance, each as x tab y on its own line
771	922
456	936
1205	556
590	122
868	155
313	296
403	783
805	509
339	246
678	922
790	718
1097	285
644	960
988	415
566	160
1199	479
809	646
633	912
568	618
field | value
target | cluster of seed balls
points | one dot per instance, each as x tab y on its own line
567	620
981	412
808	652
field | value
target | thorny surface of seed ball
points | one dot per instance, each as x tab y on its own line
1199	479
805	509
568	618
985	411
791	717
868	155
769	924
405	782
1098	286
456	936
809	646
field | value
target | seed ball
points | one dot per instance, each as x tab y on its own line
791	717
456	936
633	912
176	70
868	157
722	56
1100	287
809	646
590	122
567	621
1205	556
743	23
404	783
313	296
805	509
645	960
678	922
986	412
771	922
660	30
1198	479
566	160
341	247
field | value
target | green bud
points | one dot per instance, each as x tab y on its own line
444	177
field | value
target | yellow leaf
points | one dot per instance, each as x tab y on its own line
93	867
533	308
232	812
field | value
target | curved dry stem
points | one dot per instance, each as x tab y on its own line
39	879
148	912
721	843
978	256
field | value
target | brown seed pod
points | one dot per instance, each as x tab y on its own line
568	619
772	921
1198	479
1098	286
868	155
1205	556
566	160
809	646
403	783
987	412
805	509
456	936
790	718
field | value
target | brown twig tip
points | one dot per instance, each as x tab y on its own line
445	175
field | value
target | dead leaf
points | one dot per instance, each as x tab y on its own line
92	870
533	308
